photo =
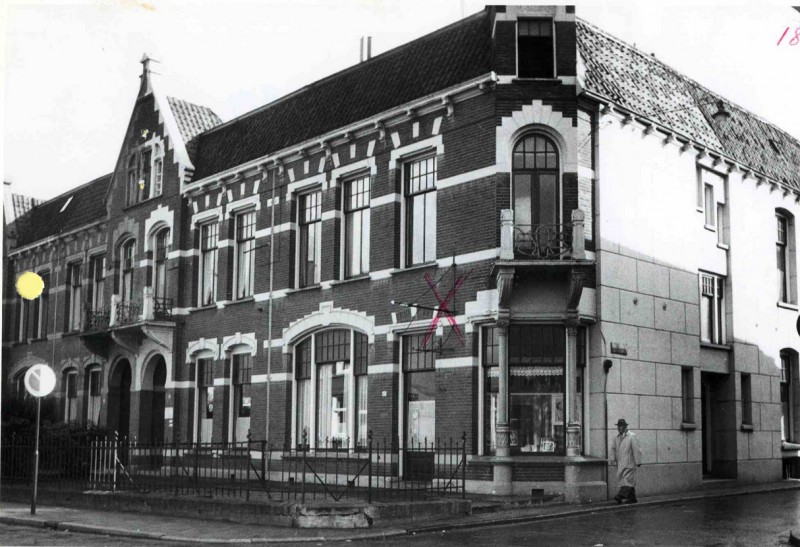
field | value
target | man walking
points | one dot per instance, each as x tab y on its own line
627	456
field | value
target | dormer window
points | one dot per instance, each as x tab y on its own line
145	173
535	48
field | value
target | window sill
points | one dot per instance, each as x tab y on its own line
789	446
71	333
522	79
143	202
723	246
315	287
710	345
710	228
747	428
788	306
241	301
212	306
413	268
350	280
688	426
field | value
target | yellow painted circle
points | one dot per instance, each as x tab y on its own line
30	285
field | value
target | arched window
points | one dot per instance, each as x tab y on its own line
70	389
331	377
94	389
161	241
536	197
127	263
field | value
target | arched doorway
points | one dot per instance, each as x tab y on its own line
119	398
152	401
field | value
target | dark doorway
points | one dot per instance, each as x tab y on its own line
157	407
119	399
719	425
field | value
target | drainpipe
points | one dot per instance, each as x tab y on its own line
269	316
607	364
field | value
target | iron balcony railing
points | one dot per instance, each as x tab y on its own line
543	241
97	319
162	309
128	313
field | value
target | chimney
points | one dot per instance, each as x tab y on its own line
366	52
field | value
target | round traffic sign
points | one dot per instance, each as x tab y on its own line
40	380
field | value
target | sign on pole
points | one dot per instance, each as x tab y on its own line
40	380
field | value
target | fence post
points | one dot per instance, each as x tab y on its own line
264	462
369	467
247	486
464	465
304	448
114	462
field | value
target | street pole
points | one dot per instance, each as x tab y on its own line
36	457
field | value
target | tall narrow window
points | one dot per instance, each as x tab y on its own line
535	48
360	366
712	309
711	206
209	237
332	359
42	308
490	358
310	238
781	247
747	400
537	233
70	396
722	236
788	406
419	369
687	395
245	253
242	396
160	265
304	403
144	174
97	279
420	187
95	396
128	259
158	171
205	399
75	299
133	181
356	230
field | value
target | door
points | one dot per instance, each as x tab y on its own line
421	408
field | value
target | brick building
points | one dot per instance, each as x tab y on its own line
280	273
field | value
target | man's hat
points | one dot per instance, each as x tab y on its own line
622	422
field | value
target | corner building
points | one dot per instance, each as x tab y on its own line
435	243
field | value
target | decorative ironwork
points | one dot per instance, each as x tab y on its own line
162	309
128	313
96	319
543	241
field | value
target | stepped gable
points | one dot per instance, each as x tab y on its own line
643	84
84	205
442	59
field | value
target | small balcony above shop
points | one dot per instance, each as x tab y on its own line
542	244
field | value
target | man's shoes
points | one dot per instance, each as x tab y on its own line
618	499
631	501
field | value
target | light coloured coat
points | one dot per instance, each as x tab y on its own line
628	455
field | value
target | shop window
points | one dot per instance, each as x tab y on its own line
419	371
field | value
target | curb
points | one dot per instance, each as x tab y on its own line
136	534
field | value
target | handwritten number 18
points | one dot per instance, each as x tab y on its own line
794	40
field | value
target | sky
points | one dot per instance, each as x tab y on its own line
70	71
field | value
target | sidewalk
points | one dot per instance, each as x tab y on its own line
156	527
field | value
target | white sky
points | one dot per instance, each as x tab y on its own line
71	70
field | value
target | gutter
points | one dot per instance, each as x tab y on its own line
54	239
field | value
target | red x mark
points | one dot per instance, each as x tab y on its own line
443	309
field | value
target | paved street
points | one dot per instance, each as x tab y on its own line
24	535
749	520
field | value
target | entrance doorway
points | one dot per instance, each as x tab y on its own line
719	456
119	399
158	402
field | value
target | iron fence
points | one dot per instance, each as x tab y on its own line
543	241
162	309
97	319
254	470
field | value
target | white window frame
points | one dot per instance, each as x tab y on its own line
553	40
94	402
70	414
214	254
345	244
716	309
75	295
299	246
237	289
405	244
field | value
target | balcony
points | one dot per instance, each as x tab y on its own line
542	243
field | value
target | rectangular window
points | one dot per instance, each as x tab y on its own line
687	395
245	253
710	207
722	237
535	48
357	227
787	403
75	299
97	279
310	238
304	403
205	384
144	175
242	396
160	266
133	181
420	188
71	396
209	237
22	319
360	366
158	176
95	396
781	248
712	309
490	358
128	265
42	308
747	400
419	365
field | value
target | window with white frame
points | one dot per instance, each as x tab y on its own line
332	384
145	174
687	395
357	226
94	389
535	48
710	208
127	266
245	253
788	394
420	215
786	257
205	399
712	309
70	395
209	238
97	273
42	308
158	170
310	249
242	395
710	193
161	241
74	297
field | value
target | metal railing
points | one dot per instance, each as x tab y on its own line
128	313
543	241
378	471
97	319
162	309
